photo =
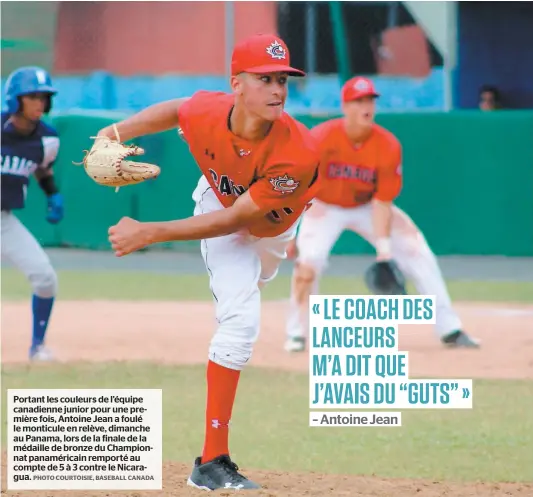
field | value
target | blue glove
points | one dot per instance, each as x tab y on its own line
55	208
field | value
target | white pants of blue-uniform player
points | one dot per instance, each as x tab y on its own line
23	251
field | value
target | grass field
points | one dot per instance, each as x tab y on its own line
493	442
120	285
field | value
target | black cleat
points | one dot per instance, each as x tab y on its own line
295	344
459	338
220	473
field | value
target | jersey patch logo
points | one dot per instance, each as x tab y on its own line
284	184
276	51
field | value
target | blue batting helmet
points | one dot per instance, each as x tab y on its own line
27	80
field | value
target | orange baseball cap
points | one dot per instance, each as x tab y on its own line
358	87
261	54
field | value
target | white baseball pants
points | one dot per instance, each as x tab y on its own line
22	250
238	266
322	226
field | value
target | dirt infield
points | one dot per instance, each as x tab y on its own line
180	334
278	484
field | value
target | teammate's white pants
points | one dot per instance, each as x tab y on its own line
323	224
238	266
22	250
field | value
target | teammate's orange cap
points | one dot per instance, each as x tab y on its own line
358	87
262	54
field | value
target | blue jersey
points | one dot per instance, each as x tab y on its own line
21	155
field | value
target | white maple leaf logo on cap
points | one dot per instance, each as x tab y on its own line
275	50
361	85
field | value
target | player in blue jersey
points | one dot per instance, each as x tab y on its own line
30	147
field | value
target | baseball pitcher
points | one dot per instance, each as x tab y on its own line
259	170
30	147
360	177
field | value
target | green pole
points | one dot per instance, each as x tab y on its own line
340	41
22	44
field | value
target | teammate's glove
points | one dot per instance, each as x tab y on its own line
105	163
55	208
385	278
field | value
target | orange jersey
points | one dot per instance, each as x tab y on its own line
279	171
351	176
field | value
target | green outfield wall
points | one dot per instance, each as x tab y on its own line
468	183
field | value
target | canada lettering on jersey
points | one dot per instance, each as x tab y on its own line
351	172
18	166
225	184
21	156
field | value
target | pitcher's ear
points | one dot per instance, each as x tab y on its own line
237	83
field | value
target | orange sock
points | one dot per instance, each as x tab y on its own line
221	389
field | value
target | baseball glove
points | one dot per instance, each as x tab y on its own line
385	278
106	163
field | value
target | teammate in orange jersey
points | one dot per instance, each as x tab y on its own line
259	168
361	175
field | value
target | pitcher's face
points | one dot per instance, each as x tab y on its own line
263	94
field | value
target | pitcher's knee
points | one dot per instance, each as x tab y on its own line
232	346
233	355
44	283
